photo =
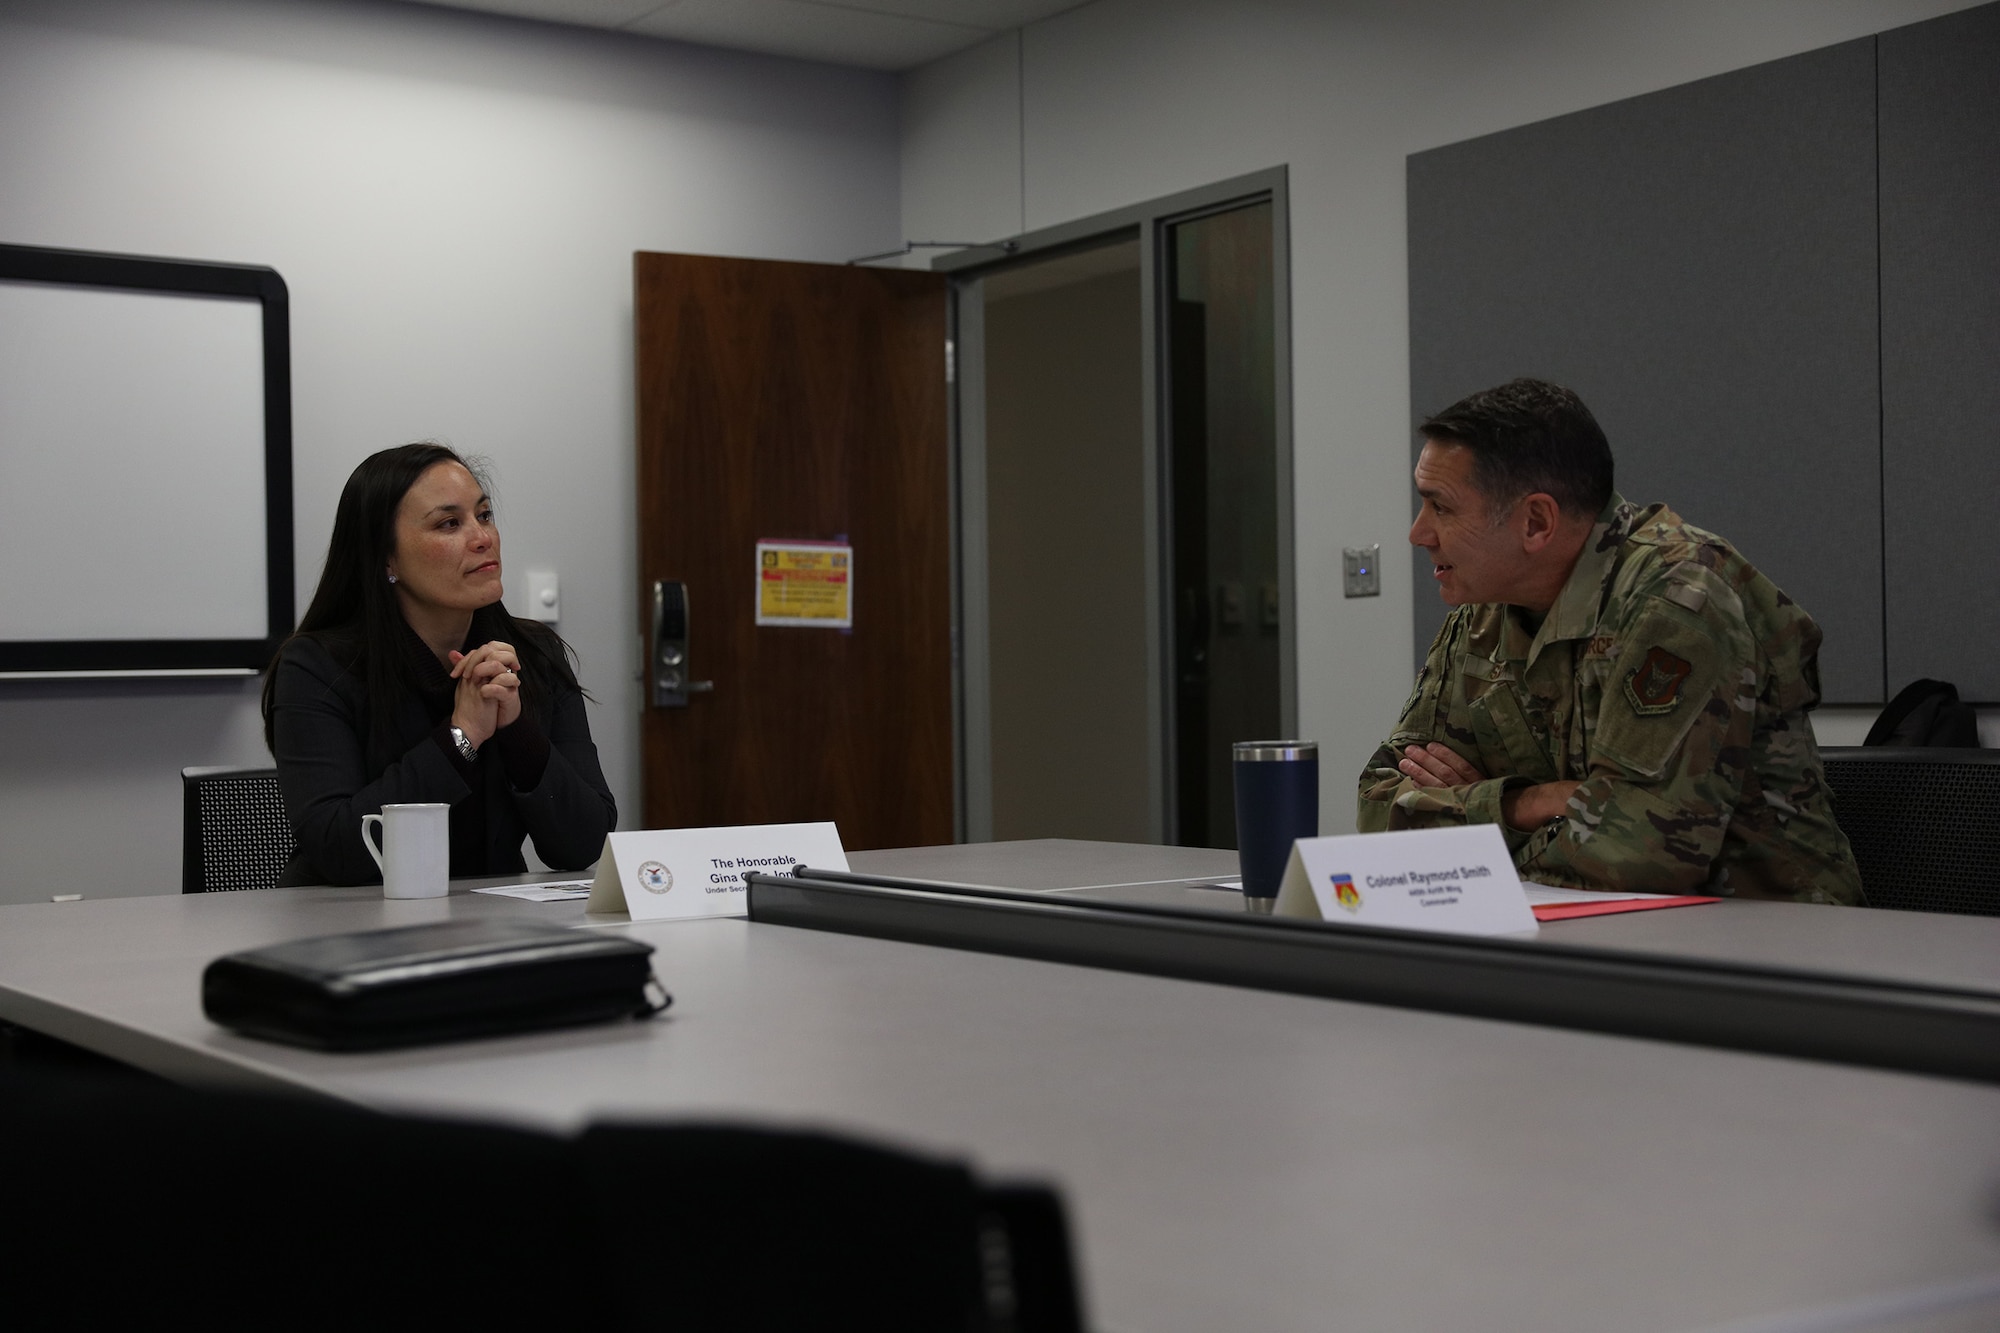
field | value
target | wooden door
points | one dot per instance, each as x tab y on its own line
797	402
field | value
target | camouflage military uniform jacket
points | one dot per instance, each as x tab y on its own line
1670	678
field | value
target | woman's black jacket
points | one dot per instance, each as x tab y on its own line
538	778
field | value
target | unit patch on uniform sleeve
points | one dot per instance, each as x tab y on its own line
1654	687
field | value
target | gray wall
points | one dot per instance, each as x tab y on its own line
454	200
1126	100
1716	270
1699	264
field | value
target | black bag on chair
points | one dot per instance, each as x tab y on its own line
1927	712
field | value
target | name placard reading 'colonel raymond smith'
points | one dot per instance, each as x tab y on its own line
664	873
1459	880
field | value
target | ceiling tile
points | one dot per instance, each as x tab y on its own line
995	15
874	34
838	34
590	13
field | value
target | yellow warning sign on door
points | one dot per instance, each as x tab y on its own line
805	583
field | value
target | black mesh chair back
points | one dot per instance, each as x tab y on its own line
234	833
1924	824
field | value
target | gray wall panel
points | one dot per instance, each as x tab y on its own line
1700	265
1941	349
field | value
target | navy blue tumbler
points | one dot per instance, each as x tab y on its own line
1277	803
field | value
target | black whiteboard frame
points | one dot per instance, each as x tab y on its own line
141	657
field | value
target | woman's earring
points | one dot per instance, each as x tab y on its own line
392	578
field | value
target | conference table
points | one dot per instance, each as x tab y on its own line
1232	1158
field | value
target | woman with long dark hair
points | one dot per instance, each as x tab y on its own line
407	681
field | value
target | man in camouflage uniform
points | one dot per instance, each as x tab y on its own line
1618	690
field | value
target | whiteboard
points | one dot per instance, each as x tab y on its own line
131	465
136	497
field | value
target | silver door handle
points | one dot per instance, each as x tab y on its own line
667	657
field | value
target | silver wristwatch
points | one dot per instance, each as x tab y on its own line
466	749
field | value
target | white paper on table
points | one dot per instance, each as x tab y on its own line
1543	895
560	891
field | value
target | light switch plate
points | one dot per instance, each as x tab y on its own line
1361	575
544	597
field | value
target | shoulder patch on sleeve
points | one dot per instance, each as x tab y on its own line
1654	686
1668	677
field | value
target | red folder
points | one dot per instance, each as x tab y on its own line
1564	911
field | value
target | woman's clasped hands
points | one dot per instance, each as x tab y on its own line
489	690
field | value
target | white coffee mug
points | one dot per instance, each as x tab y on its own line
415	855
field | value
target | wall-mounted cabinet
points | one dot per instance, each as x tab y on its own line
1784	350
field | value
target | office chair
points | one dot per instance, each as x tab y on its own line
234	833
1924	824
126	1203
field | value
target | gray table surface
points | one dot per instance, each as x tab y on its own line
1925	947
1233	1159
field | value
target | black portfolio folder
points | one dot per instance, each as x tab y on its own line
402	987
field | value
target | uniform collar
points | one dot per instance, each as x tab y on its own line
1574	615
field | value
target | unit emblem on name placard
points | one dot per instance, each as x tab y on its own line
1654	687
1345	893
655	878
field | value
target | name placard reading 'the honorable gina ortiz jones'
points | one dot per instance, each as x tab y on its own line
665	873
1457	880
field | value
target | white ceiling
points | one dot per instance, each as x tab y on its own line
873	34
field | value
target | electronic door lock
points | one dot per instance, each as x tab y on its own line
667	662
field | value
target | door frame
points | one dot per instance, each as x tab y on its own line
965	362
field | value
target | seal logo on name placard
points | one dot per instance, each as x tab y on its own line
655	878
1345	893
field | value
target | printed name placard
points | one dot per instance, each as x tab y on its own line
664	873
1458	880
